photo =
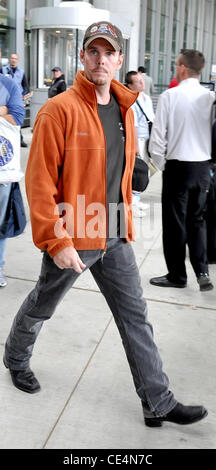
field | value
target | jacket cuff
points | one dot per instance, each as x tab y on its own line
59	247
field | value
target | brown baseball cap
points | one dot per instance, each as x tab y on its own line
105	30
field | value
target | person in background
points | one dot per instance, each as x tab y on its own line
11	109
180	145
174	82
18	75
143	111
58	84
149	87
83	147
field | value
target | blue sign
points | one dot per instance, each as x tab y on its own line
6	151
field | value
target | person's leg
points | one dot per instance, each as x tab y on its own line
196	223
5	190
174	211
4	196
139	208
2	251
3	281
39	306
22	143
196	231
119	281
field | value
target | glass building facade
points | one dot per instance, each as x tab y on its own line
7	27
167	26
163	28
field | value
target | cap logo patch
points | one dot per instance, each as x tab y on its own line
111	30
93	29
103	28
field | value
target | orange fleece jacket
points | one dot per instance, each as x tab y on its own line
68	159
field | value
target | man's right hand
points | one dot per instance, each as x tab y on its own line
69	258
3	110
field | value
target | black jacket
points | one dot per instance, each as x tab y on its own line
57	86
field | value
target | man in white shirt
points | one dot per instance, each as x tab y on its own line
149	87
143	112
180	145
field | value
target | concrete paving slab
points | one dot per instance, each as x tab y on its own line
110	415
87	398
23	259
61	355
154	265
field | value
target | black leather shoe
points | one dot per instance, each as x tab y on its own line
24	379
23	144
204	282
163	281
180	415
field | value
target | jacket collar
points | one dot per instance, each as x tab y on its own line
86	90
62	77
190	81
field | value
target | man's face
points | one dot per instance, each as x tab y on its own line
101	62
138	83
14	60
56	74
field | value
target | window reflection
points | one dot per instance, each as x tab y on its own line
7	28
55	47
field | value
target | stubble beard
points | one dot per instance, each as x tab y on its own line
99	81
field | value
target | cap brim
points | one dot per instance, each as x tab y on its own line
107	38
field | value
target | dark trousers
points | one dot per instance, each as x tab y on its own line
184	194
118	278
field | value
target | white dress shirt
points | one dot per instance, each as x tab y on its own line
139	118
182	125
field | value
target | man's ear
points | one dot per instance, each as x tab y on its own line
82	53
120	61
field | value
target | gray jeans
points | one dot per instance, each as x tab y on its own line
117	276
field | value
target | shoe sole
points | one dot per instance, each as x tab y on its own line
26	390
206	288
178	286
158	422
15	385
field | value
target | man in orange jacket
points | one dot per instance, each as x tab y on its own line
81	162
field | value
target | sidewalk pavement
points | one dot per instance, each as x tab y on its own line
88	400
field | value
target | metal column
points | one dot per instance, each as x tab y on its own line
20	31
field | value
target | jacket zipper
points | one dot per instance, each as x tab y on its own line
105	246
124	121
102	256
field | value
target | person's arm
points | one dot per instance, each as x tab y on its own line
3	110
134	108
63	86
15	104
149	110
137	150
45	161
8	117
24	85
158	139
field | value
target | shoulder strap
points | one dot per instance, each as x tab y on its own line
147	119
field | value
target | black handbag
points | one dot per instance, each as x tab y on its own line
15	219
140	178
